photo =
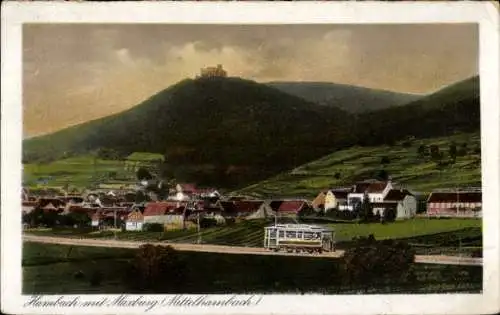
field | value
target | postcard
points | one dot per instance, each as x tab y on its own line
250	158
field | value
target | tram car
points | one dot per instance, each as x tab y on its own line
299	238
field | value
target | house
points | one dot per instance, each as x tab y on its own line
247	209
168	213
184	191
406	203
25	194
375	190
337	198
96	219
28	206
108	217
319	201
292	207
455	203
73	202
208	193
134	221
51	204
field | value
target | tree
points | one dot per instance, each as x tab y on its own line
143	174
452	151
435	153
107	154
385	160
389	215
157	269
337	175
141	197
422	150
79	219
382	175
463	149
369	261
407	143
366	210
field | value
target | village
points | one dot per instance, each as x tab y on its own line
187	206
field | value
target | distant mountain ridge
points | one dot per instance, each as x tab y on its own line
455	108
353	99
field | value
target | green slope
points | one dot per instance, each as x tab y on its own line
350	98
359	163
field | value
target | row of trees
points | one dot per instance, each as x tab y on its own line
38	217
454	150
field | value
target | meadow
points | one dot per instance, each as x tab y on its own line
402	163
52	269
85	171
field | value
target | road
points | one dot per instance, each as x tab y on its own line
429	259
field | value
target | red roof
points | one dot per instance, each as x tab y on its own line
43	202
370	187
162	208
29	203
291	206
461	196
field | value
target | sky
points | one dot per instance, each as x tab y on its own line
73	73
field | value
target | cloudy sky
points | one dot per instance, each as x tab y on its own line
73	73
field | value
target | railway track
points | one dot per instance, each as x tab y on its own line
427	259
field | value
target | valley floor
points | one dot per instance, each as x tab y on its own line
428	236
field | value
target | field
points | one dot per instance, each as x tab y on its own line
427	235
344	167
85	171
51	269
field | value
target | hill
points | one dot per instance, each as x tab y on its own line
353	99
343	167
455	108
222	131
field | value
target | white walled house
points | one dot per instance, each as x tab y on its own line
401	200
375	190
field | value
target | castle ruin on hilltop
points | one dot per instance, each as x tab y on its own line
211	72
